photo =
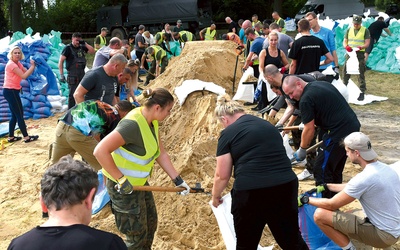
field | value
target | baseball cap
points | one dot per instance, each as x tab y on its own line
357	19
141	27
104	29
359	141
179	21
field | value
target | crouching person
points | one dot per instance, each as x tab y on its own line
377	189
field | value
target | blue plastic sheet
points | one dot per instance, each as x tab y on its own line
102	197
312	235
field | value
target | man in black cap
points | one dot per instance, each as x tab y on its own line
357	38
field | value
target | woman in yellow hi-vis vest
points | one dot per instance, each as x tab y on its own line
210	33
127	156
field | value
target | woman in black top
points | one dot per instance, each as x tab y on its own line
265	187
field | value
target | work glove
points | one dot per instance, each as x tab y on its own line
318	189
348	48
123	186
282	70
300	154
336	69
83	43
279	126
359	48
62	78
301	126
302	199
179	182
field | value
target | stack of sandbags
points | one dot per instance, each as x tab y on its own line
42	82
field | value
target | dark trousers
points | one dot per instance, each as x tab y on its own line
17	111
329	164
275	206
362	69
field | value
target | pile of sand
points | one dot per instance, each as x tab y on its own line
190	136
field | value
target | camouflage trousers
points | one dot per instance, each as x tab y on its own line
135	216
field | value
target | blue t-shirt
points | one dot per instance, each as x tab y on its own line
242	36
328	37
257	45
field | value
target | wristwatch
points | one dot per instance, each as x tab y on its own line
305	199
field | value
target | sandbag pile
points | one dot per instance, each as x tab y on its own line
42	83
383	56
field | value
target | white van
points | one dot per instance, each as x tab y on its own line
334	9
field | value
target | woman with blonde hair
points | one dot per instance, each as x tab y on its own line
265	187
127	156
14	73
129	88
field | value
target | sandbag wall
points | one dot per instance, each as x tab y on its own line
40	93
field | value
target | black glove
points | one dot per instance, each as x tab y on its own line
81	42
123	186
62	78
302	199
279	126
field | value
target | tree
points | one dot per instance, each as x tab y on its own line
16	15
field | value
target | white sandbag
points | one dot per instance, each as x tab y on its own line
354	92
245	92
225	222
54	98
56	104
288	148
189	86
352	65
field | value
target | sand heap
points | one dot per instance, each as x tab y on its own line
189	134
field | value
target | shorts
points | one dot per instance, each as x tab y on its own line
362	230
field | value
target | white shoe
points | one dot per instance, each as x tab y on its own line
305	175
300	164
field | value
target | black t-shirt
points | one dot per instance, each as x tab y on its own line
234	25
258	154
76	237
375	29
307	51
324	104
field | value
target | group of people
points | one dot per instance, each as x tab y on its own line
124	142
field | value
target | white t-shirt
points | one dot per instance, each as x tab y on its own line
377	188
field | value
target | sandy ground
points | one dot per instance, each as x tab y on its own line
190	135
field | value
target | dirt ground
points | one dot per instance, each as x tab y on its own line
190	135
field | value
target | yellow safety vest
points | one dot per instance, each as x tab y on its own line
137	169
103	42
210	34
283	29
188	34
159	53
159	37
356	40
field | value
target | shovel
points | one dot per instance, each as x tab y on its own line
196	189
309	150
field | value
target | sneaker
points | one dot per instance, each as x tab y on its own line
361	97
300	164
305	175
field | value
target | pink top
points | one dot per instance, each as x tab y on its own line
12	80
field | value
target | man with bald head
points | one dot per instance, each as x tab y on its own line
246	24
233	26
104	54
322	105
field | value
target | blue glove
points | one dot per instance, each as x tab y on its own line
300	154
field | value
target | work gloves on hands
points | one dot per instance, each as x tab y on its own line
123	186
179	182
62	78
302	199
279	126
349	49
300	154
282	70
